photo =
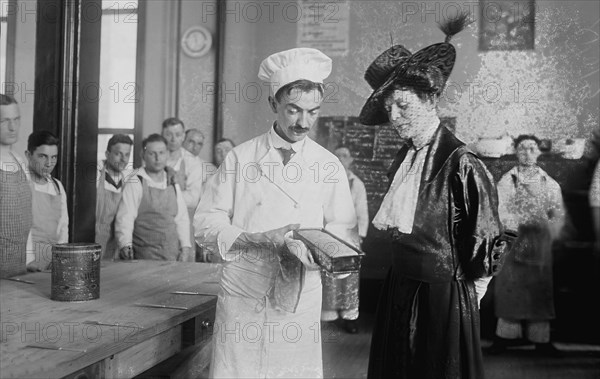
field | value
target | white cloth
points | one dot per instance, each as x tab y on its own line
194	177
288	66
48	187
481	286
208	169
253	192
130	203
359	198
595	187
400	202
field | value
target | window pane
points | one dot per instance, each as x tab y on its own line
117	70
103	142
3	31
119	4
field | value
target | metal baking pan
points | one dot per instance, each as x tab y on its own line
333	254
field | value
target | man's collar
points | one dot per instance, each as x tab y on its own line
536	171
43	179
143	173
280	143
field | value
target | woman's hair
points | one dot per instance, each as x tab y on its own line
425	81
302	84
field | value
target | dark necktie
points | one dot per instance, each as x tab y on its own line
286	154
415	150
111	181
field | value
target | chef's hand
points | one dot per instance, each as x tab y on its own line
300	251
185	254
269	242
277	236
126	252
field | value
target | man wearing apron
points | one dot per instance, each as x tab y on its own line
152	220
49	201
269	305
15	194
112	176
529	201
183	167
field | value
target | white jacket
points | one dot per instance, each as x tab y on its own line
253	192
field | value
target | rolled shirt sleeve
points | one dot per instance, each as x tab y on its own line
359	195
29	252
127	213
193	182
63	222
182	220
212	220
556	213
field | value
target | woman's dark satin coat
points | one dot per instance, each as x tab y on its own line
427	322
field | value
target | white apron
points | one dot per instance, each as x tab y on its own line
252	338
46	209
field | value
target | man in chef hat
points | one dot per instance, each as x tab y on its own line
268	310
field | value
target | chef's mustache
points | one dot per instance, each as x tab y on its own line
298	128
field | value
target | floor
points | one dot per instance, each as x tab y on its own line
347	356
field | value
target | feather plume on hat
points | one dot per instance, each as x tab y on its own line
455	25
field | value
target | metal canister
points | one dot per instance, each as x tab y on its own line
76	271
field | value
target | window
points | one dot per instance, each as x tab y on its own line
117	88
7	13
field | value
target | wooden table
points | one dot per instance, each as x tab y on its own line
135	339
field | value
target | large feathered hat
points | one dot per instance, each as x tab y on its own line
393	63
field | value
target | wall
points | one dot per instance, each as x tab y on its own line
557	83
197	75
172	82
158	80
25	68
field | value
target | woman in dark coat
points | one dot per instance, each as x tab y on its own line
441	209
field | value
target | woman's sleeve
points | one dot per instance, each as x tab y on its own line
476	227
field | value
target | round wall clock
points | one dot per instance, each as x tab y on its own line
196	41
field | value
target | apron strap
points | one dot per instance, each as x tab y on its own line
56	185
